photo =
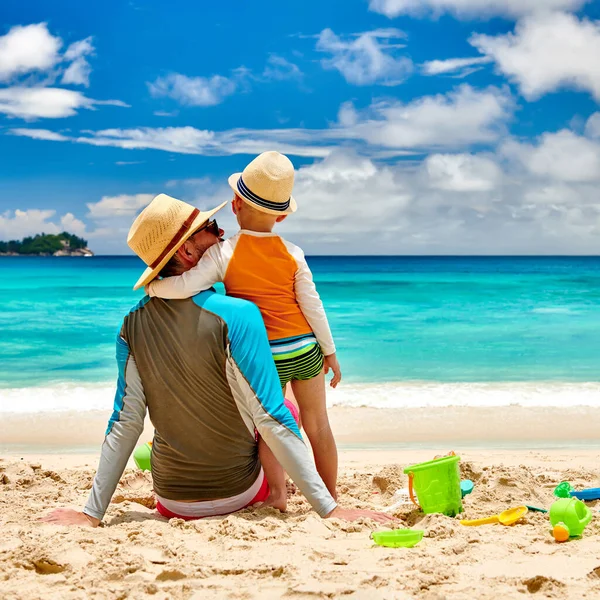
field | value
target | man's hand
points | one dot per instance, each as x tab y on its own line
353	514
331	362
68	516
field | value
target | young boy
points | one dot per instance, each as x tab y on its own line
260	266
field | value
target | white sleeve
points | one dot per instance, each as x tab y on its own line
310	302
124	429
201	277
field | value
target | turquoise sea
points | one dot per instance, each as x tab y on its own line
400	324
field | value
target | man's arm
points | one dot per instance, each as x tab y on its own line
253	379
255	387
124	429
122	434
201	277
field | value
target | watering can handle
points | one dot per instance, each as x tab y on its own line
411	491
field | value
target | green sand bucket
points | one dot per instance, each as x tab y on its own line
142	456
437	484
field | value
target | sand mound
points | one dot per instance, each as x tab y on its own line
265	554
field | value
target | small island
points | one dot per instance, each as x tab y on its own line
42	244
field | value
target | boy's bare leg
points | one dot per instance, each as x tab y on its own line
310	395
275	477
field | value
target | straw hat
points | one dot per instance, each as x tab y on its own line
266	183
160	229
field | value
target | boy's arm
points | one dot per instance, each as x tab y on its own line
310	303
201	277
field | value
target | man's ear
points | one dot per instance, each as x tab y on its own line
281	218
184	252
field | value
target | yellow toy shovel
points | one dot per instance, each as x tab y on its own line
508	517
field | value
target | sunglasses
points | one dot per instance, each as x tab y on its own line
210	226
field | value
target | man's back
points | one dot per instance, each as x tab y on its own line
204	368
202	448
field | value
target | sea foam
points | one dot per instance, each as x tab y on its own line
415	394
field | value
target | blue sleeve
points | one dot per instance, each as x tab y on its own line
255	388
249	347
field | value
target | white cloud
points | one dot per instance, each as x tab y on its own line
40	134
344	194
462	117
365	60
39	102
280	69
193	91
592	126
71	224
458	119
26	49
462	172
46	102
21	223
547	52
125	205
471	8
561	156
189	140
462	204
164	113
521	199
30	60
78	72
460	66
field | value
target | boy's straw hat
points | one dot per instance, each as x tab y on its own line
160	229
266	183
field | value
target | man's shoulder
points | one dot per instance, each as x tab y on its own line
138	305
231	310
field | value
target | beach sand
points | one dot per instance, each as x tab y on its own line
261	553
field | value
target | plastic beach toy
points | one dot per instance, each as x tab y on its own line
569	517
466	487
536	509
437	485
588	495
508	517
399	538
563	490
141	456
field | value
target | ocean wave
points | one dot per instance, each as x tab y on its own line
57	398
423	394
553	310
416	394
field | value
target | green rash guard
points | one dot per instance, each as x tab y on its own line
204	371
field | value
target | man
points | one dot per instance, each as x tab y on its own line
203	369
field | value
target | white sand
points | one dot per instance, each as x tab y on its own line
265	554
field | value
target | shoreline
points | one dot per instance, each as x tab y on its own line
379	428
68	395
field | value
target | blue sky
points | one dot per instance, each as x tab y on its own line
429	127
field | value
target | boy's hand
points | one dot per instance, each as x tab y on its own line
331	362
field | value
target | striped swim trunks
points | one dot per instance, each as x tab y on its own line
297	358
